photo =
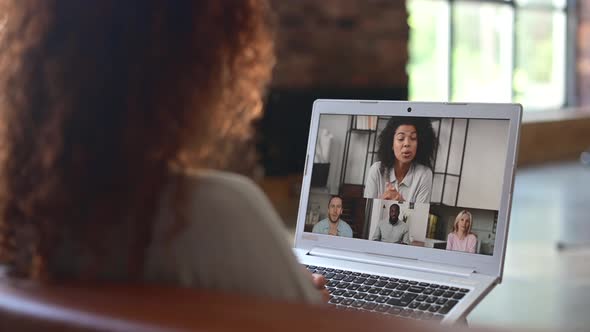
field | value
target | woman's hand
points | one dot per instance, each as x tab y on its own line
319	282
392	194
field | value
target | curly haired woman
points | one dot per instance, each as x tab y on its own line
405	153
112	114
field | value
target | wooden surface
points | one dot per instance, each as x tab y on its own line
144	308
564	139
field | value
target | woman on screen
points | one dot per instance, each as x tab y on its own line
406	154
461	238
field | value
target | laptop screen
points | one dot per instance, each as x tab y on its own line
417	181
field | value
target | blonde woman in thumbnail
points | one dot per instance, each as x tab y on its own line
461	238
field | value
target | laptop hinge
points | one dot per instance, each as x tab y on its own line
392	261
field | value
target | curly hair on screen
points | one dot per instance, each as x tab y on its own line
426	142
99	100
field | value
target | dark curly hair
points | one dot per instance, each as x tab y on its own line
100	99
426	142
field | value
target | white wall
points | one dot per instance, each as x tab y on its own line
483	167
356	157
453	166
337	126
483	163
417	217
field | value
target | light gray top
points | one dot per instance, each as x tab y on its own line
415	187
233	241
386	232
323	227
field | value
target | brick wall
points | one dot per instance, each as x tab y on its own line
341	43
583	53
351	49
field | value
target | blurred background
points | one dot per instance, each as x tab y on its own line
534	52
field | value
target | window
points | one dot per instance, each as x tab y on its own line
489	51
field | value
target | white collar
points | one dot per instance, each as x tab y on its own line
407	180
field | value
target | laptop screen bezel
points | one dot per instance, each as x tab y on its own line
485	264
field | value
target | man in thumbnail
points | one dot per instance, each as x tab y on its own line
392	230
333	225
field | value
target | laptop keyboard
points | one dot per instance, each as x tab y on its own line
387	295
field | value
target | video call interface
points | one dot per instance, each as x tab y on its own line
418	181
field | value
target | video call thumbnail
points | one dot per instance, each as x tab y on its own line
409	180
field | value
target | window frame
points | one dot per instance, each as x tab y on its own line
570	29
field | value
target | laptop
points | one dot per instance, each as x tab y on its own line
405	206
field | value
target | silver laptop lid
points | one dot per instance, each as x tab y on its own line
425	181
